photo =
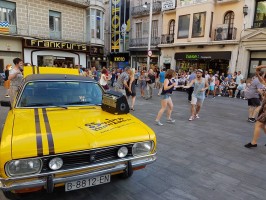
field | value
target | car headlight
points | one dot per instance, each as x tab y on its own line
56	163
122	152
142	148
23	167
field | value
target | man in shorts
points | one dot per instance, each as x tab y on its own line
253	97
198	95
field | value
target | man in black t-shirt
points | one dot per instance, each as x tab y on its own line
150	79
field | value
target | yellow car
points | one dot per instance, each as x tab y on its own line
58	134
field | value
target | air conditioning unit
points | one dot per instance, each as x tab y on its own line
221	32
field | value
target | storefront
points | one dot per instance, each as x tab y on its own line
119	60
210	61
139	59
10	48
55	53
256	58
96	57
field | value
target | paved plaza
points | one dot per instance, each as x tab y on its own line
203	159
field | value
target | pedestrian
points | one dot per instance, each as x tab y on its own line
142	83
104	79
211	82
161	81
150	79
232	88
239	77
198	95
253	97
261	120
113	77
166	101
191	89
122	80
15	77
131	90
136	77
7	82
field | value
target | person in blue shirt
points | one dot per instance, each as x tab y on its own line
161	81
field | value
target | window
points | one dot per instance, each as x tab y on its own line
8	12
183	26
55	24
139	30
260	15
154	32
198	28
172	27
229	19
95	24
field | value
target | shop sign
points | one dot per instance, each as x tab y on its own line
56	45
95	50
203	55
119	57
168	4
167	60
115	25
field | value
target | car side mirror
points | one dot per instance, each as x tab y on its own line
5	104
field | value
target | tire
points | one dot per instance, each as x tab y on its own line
128	171
10	195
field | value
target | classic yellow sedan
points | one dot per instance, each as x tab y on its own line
57	134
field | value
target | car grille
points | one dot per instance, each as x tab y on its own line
86	157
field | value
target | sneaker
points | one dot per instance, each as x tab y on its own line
197	116
252	120
159	123
191	118
249	145
213	97
240	97
219	95
7	96
171	121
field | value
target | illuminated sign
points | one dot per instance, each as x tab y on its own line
115	25
119	57
203	55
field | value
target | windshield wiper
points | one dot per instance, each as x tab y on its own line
78	103
46	104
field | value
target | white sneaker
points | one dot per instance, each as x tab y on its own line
159	123
219	95
170	121
197	116
191	118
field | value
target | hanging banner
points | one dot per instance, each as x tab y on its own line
115	25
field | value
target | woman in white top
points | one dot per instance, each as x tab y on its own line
104	79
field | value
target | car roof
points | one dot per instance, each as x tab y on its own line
60	77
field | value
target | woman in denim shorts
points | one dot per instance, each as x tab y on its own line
166	100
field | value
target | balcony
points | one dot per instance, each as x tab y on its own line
167	39
141	42
76	3
225	34
191	2
141	11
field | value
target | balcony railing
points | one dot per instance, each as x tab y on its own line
191	2
225	34
167	39
140	42
141	11
259	24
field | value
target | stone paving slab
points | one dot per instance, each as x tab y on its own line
203	159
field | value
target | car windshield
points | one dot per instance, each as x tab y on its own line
60	94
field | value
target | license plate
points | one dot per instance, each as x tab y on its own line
84	183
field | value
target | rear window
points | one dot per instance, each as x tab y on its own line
60	93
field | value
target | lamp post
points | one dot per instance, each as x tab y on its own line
149	53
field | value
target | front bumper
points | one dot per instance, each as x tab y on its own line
49	180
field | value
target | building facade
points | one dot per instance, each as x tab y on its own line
48	32
139	37
203	34
252	50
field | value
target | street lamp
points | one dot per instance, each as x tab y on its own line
245	10
149	53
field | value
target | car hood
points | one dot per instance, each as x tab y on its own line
47	131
